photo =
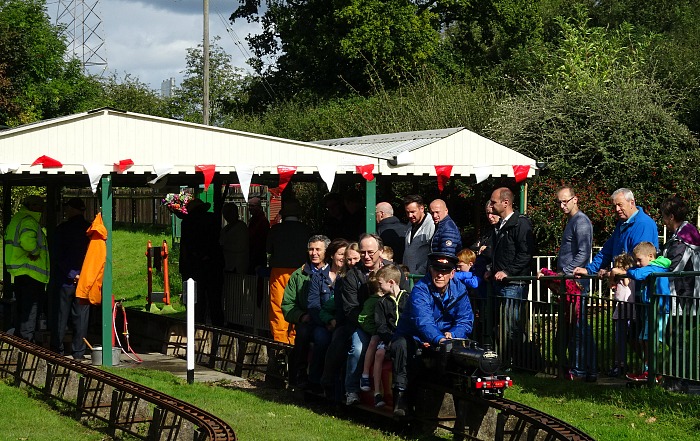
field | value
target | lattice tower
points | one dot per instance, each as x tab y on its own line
84	32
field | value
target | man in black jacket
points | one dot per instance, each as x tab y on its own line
513	248
391	229
350	297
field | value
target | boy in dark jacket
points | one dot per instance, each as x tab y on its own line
386	316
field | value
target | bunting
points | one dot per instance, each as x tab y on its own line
520	172
443	175
286	172
208	171
366	171
47	162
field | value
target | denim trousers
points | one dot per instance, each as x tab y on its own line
356	358
585	352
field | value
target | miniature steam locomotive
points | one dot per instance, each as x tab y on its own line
468	367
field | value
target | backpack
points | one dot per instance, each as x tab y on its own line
691	254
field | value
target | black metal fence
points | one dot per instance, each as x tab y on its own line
550	333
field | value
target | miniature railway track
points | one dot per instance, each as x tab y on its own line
123	405
513	420
539	421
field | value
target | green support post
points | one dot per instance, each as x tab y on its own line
206	195
107	280
371	198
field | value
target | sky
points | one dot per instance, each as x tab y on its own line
149	39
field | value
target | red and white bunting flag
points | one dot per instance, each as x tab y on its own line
366	171
286	172
8	168
208	170
160	171
482	172
245	175
443	175
327	172
123	165
47	162
520	172
94	172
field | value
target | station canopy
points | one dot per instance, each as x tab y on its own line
425	152
134	149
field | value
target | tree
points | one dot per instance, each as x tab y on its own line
132	95
226	87
333	47
600	119
35	80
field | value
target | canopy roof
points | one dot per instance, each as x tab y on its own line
419	152
103	137
93	142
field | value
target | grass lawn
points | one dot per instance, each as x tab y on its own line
612	413
129	266
28	419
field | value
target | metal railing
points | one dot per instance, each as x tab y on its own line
554	333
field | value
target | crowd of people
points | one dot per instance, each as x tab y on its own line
342	298
68	266
371	316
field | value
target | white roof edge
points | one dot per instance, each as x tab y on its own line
107	111
399	136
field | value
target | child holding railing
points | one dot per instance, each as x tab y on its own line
623	315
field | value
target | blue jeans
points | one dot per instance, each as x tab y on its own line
321	339
582	347
356	358
513	304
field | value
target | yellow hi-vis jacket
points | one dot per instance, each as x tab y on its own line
26	250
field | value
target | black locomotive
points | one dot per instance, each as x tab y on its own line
468	367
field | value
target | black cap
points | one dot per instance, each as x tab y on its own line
76	203
445	261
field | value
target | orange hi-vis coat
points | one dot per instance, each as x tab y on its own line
90	281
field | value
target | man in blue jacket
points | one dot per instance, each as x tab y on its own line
447	235
633	226
439	310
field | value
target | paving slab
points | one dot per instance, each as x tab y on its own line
176	366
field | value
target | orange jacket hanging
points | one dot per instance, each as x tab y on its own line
90	281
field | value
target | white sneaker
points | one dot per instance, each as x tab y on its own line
351	398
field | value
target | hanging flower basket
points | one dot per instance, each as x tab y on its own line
177	202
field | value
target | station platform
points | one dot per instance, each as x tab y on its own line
174	365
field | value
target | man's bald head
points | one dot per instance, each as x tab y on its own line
438	210
383	210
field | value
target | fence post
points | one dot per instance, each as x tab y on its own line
490	313
652	320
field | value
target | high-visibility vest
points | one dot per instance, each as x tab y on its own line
24	238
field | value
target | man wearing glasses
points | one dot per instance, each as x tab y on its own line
350	297
439	310
575	251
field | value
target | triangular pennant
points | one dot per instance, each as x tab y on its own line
327	172
366	171
122	165
245	175
160	171
7	168
94	172
286	172
47	162
482	172
208	170
443	174
520	172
